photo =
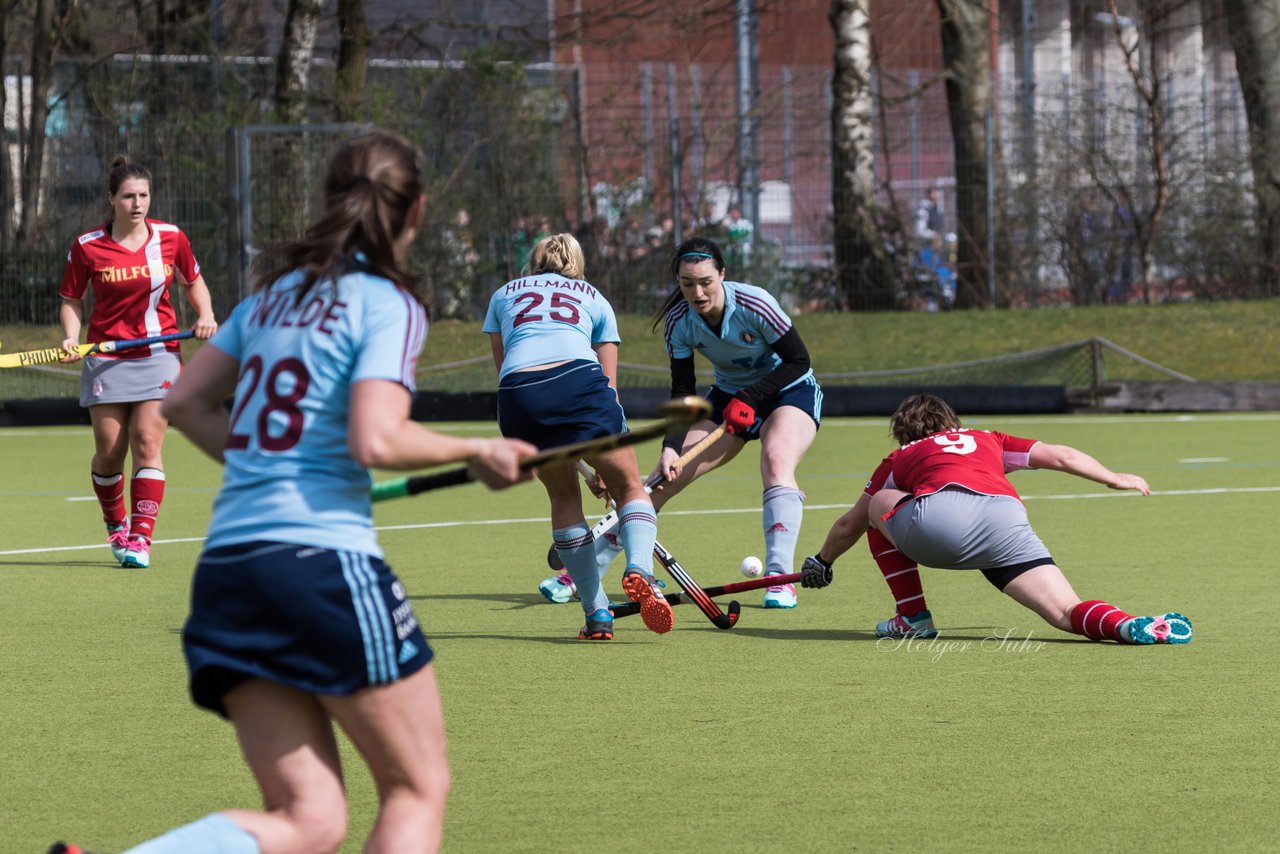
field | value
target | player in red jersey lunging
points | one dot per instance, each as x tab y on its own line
942	500
129	263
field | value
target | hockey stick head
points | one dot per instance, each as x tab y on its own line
685	410
729	618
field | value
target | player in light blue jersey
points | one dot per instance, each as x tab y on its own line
764	389
296	622
555	344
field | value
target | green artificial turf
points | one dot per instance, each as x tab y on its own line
1221	341
795	731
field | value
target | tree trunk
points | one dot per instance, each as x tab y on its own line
353	55
293	65
1254	26
966	58
42	47
865	275
6	206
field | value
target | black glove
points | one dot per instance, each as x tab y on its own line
816	572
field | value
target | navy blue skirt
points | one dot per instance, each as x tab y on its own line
572	402
315	619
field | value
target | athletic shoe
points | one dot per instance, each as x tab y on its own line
138	554
898	626
118	540
599	626
559	589
780	596
1166	628
64	848
654	608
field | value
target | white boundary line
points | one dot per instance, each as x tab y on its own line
669	513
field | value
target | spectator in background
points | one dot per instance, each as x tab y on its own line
933	257
930	222
738	234
462	258
1125	231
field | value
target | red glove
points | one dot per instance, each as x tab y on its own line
738	416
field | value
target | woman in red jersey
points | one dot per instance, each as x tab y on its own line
942	500
128	263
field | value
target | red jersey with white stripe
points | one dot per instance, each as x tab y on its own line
130	287
976	460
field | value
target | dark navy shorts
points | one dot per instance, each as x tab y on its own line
805	395
321	621
572	402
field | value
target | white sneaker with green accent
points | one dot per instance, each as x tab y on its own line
138	554
559	589
118	540
898	626
780	596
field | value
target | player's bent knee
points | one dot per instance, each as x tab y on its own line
320	827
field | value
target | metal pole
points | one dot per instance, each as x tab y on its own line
646	107
746	80
697	157
786	147
913	134
246	212
215	61
991	210
1030	154
673	130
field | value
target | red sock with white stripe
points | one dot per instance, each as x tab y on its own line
1099	620
110	491
146	491
899	572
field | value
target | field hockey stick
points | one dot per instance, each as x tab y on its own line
707	605
673	413
816	579
56	354
720	619
608	520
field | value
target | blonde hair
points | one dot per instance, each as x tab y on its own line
922	415
557	253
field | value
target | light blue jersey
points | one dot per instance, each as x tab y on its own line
740	354
288	475
549	318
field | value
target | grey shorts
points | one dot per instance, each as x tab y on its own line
105	380
958	529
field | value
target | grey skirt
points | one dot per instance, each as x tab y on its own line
958	529
104	380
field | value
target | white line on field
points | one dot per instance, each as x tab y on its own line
668	513
1205	460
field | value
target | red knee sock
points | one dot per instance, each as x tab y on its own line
110	491
1098	620
146	491
899	572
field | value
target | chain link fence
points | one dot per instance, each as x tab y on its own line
633	160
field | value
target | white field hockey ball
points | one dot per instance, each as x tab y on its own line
752	567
